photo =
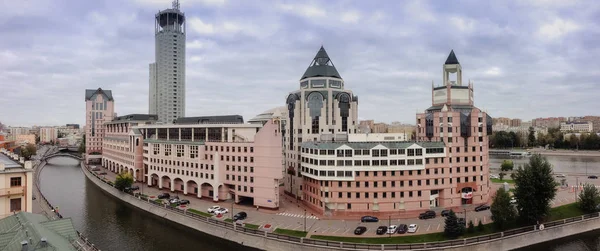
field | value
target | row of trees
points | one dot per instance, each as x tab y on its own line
27	151
554	138
535	188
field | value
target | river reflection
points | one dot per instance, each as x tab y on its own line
113	225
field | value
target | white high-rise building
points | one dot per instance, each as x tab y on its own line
167	73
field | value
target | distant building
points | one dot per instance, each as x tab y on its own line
13	132
515	122
6	144
16	182
36	232
72	126
24	139
99	109
576	127
48	134
552	122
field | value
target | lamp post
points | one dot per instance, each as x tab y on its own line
465	210
389	224
576	187
305	220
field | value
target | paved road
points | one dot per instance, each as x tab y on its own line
291	215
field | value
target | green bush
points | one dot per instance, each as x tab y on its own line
471	228
480	227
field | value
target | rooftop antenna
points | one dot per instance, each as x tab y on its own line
176	4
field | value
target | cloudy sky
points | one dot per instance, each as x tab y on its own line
527	58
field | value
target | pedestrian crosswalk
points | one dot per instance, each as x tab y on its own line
298	216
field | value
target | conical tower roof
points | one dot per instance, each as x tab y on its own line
321	66
452	58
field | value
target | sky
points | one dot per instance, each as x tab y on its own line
526	58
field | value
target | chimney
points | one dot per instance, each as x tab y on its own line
22	160
28	164
44	242
2	166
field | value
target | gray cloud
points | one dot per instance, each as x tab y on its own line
526	58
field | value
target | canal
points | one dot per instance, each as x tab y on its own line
111	224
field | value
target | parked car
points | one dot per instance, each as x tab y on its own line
240	216
381	230
174	201
392	229
221	211
164	196
131	189
445	212
427	215
561	176
213	209
412	228
184	202
482	207
592	177
402	228
493	176
369	219
102	173
360	230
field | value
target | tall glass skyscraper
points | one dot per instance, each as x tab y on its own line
167	73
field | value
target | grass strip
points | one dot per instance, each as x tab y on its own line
199	212
290	232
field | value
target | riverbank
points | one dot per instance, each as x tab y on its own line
42	206
561	152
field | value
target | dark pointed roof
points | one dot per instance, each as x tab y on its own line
90	92
321	66
452	58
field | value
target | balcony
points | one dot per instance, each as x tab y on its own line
12	191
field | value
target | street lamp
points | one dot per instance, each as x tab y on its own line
389	224
465	210
305	220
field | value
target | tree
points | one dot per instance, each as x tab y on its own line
503	213
534	189
452	229
507	165
471	228
82	145
531	138
589	198
501	175
28	151
123	180
480	227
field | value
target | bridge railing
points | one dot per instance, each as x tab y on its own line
359	246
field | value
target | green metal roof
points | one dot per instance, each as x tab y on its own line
23	226
321	66
369	145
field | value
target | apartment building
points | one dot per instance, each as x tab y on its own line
463	128
99	108
122	145
24	139
16	182
576	126
216	157
48	134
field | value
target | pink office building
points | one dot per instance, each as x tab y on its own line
216	157
463	128
340	171
122	145
99	108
